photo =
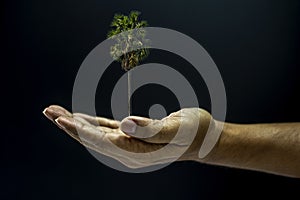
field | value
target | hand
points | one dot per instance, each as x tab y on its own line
132	135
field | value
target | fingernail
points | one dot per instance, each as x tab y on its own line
60	125
128	126
45	112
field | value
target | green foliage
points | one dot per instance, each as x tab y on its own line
123	50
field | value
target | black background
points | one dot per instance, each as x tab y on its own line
255	45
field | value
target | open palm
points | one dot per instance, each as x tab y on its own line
136	134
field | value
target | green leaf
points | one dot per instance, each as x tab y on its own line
133	43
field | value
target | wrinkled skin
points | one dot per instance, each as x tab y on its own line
97	132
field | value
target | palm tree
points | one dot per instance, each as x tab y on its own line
135	39
129	49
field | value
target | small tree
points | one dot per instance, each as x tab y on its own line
121	51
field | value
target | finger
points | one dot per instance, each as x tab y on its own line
71	132
98	140
80	130
101	128
84	131
149	130
54	111
99	121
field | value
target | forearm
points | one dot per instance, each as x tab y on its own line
273	148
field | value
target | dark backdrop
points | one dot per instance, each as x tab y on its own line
254	43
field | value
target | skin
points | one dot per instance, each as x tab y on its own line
272	148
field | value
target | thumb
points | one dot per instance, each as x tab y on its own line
149	130
141	127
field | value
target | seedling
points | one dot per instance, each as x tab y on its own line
129	48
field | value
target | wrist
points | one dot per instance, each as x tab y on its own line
224	138
206	139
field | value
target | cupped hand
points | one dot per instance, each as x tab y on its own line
137	134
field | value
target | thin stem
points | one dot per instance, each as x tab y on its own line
129	91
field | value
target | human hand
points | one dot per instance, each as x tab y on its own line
136	135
